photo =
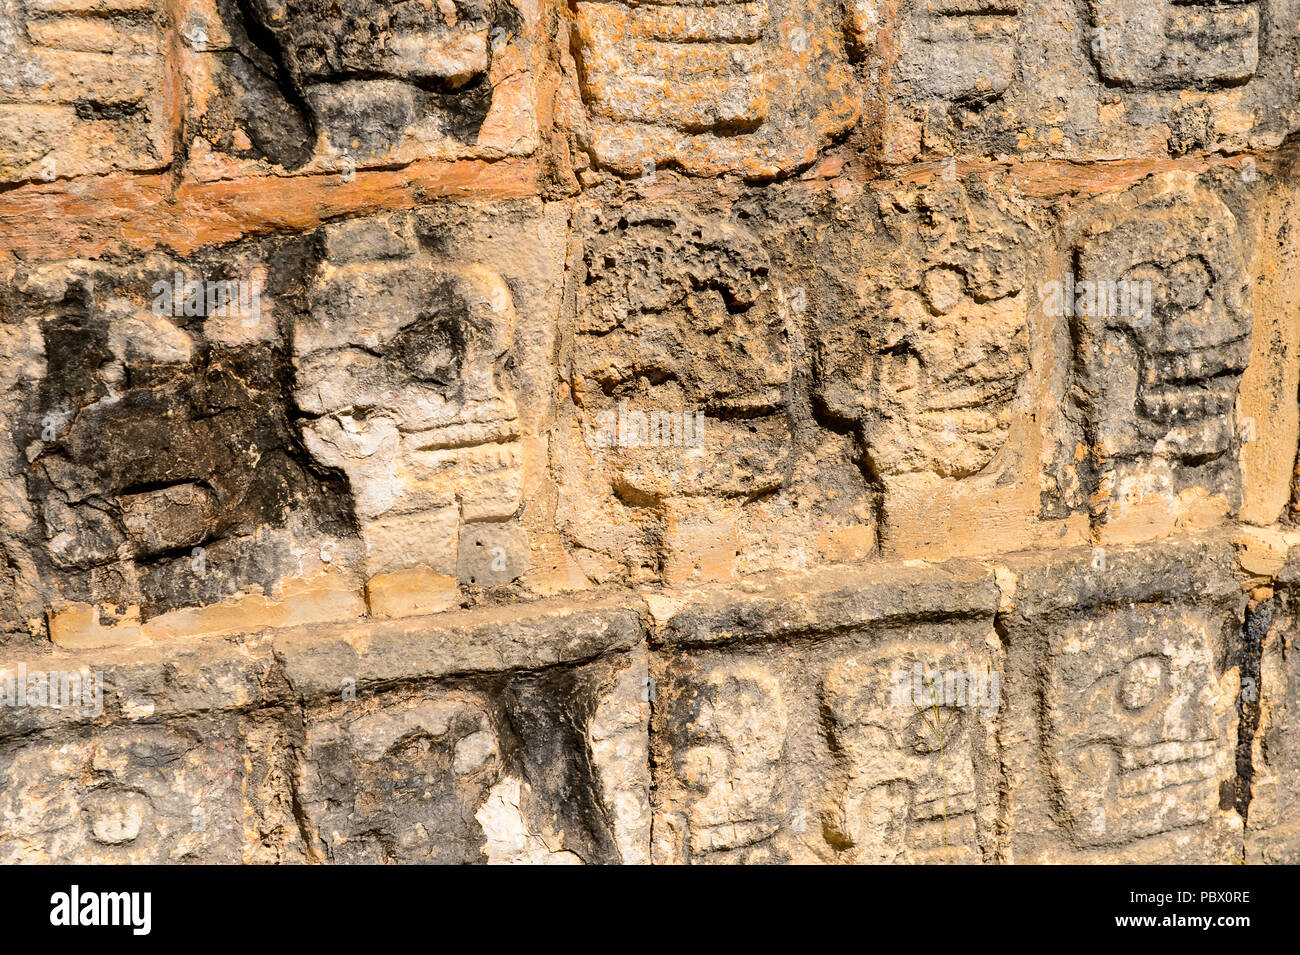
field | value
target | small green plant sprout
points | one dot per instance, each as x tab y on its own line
932	716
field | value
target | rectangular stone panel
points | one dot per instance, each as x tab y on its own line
543	767
246	436
928	345
1121	733
755	88
1106	80
1156	288
1268	756
689	442
83	89
802	724
209	790
423	366
305	86
155	467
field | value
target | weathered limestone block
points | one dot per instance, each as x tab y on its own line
375	655
1121	735
1161	327
917	770
959	50
680	377
927	344
938	348
400	784
154	467
543	767
209	790
1167	44
82	88
1267	421
729	727
755	87
404	367
412	364
1109	79
1270	701
305	85
163	682
1132	720
677	314
619	738
799	723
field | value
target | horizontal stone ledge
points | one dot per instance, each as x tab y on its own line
118	214
160	681
252	671
1055	178
1203	567
150	211
828	601
278	667
317	660
1032	583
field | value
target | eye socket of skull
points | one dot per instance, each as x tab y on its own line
1190	282
1156	275
433	348
944	289
1142	684
1178	288
466	344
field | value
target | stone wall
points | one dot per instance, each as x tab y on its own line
645	431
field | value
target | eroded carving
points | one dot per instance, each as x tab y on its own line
161	794
716	86
1136	739
961	50
534	768
1270	700
1158	385
1161	44
676	316
402	784
729	729
81	88
914	755
405	364
373	77
930	366
160	463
